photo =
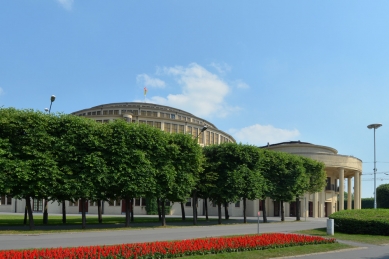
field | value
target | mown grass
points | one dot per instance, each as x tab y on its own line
13	224
369	239
272	253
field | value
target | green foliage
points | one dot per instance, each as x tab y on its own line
367	203
383	196
151	206
366	221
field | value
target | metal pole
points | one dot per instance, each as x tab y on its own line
375	173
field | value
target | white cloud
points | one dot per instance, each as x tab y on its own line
241	85
260	135
67	4
149	81
222	68
202	93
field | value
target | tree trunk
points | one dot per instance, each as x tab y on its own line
282	211
226	215
128	211
194	205
219	212
63	212
206	209
29	211
163	214
264	211
45	213
83	213
25	214
244	211
297	209
159	209
132	209
99	212
182	211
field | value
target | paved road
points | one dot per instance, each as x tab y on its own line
363	251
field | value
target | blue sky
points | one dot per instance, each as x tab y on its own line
263	71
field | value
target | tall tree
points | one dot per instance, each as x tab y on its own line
222	161
383	196
186	157
27	162
130	155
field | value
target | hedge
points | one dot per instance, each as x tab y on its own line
365	221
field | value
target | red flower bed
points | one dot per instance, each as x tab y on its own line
170	249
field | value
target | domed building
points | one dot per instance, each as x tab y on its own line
338	168
162	117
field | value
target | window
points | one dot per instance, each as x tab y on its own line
123	111
260	206
180	128
37	205
212	138
237	204
172	116
148	113
89	113
5	200
116	112
135	112
157	125
98	113
207	137
167	127
142	121
105	112
155	114
189	130
188	202
150	123
216	138
72	204
179	117
167	203
175	128
195	132
105	121
161	114
201	138
110	112
99	121
143	201
143	113
93	113
137	202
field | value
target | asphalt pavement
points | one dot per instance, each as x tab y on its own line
131	235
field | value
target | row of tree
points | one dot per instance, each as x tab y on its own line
64	157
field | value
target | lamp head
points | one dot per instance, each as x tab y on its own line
46	109
374	126
52	98
204	128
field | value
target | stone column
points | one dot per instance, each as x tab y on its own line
341	189
322	202
349	196
360	190
356	190
315	205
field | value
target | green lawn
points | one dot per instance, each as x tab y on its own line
370	239
279	252
13	224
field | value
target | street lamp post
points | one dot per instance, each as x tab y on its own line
195	191
45	214
374	126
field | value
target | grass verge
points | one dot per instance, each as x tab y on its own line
272	253
369	239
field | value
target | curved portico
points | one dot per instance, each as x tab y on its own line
338	168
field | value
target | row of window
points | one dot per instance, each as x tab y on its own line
142	113
5	200
189	203
117	202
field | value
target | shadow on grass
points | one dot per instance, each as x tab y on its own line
14	223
